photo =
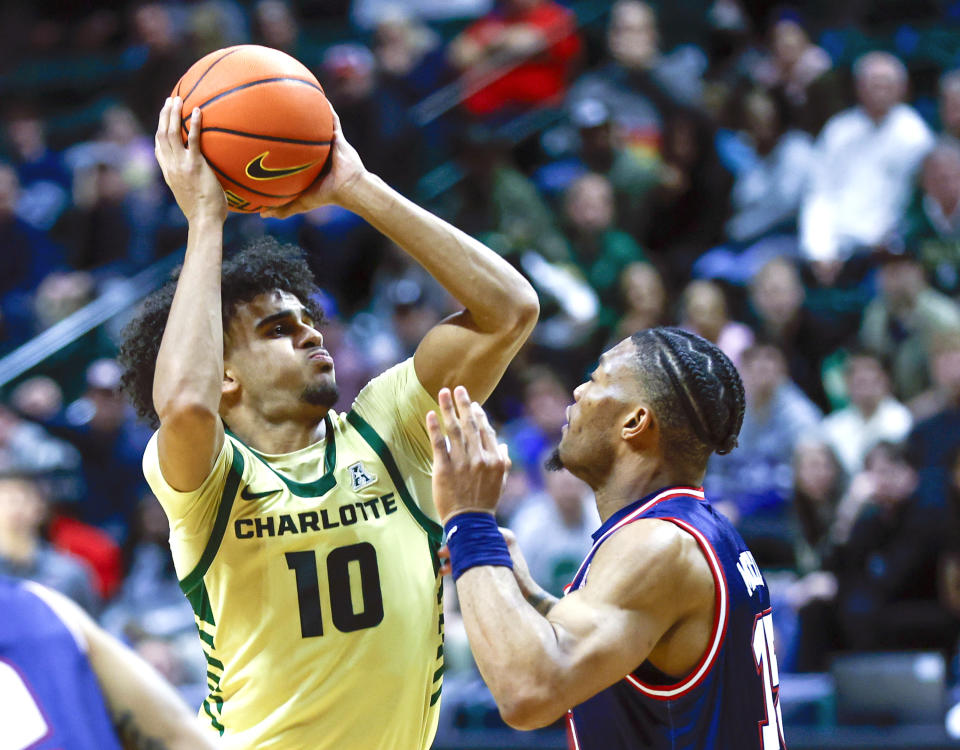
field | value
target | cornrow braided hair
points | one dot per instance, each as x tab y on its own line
695	389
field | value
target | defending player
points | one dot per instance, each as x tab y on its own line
68	684
303	537
664	639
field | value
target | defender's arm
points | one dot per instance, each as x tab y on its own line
644	580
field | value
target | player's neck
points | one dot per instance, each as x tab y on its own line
270	437
630	480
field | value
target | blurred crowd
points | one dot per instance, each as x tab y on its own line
783	182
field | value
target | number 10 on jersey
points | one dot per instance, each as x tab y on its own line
342	563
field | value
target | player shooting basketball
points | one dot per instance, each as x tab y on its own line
304	538
664	639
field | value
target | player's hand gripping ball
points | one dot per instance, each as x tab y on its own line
267	126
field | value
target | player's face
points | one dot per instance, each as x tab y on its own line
589	437
276	355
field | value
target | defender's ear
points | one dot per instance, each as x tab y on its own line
639	424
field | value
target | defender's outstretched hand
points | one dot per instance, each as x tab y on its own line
191	179
468	465
343	168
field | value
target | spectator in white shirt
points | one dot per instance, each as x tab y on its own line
863	169
872	416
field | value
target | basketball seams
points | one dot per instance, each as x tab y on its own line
259	82
183	120
202	75
260	137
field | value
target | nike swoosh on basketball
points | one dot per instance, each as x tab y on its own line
246	494
257	171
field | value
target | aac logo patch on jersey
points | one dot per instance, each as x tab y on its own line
359	476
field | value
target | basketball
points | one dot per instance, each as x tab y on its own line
267	126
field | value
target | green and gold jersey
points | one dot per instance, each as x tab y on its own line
313	578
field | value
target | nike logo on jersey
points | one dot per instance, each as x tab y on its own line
246	494
257	171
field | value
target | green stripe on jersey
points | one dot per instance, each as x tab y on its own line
433	529
318	487
213	719
194	578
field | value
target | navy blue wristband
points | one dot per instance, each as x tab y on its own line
474	539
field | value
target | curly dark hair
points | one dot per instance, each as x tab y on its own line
696	392
263	265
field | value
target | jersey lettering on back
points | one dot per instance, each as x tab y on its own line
730	700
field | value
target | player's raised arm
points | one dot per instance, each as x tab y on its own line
648	578
189	373
473	347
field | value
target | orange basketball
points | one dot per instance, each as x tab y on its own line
266	127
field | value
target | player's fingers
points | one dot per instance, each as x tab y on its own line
443	556
273	212
437	439
336	122
193	139
483	438
468	422
173	122
159	139
504	450
284	211
451	423
162	121
488	438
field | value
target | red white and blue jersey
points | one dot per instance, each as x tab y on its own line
51	697
730	700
